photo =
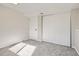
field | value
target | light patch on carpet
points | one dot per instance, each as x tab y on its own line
17	47
27	50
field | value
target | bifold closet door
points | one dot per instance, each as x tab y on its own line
56	29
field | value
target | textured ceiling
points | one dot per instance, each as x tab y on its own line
30	9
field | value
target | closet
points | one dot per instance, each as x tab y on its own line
56	28
53	28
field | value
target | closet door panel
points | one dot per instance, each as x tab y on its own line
56	29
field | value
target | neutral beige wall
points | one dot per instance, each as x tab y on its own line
75	29
13	26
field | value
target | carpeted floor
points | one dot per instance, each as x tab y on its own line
43	49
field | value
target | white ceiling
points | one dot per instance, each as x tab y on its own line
30	9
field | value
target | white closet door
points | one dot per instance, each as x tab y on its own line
56	29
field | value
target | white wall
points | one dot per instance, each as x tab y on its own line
13	26
75	29
56	28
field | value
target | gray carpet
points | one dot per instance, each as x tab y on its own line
43	49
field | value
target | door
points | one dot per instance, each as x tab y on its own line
33	26
56	29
